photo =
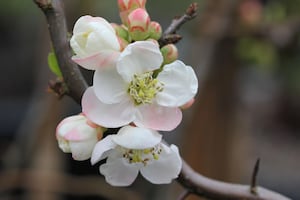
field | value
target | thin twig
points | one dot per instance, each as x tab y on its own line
253	186
170	35
188	178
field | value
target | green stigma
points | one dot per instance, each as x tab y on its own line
143	88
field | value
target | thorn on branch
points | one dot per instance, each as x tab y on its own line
253	186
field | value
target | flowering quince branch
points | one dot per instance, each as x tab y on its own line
135	149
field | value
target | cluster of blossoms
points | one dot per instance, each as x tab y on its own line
138	87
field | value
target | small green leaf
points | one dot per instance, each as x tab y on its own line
53	64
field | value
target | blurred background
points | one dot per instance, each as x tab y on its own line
246	55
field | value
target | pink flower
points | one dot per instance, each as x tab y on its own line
78	136
134	91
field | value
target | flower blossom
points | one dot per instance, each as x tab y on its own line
94	42
135	150
77	135
134	91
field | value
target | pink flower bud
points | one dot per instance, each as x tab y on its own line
126	6
77	135
155	30
138	24
170	53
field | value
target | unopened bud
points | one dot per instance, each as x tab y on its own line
155	30
170	53
126	6
77	135
138	24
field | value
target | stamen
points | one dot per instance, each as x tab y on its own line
143	88
141	155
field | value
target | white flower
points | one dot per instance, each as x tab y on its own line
78	136
135	150
94	42
132	92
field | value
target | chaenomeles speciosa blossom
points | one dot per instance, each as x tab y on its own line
94	42
77	135
133	150
140	89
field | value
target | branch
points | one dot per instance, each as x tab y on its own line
219	190
170	35
53	10
192	181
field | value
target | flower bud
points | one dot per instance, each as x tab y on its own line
155	30
138	24
170	53
126	6
77	135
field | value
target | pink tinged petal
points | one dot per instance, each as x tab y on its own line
166	168
82	150
103	59
119	173
109	86
101	149
136	138
180	84
137	58
158	117
107	115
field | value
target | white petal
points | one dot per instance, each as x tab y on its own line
109	86
136	138
107	115
180	84
119	173
100	148
82	150
166	168
158	117
139	57
83	23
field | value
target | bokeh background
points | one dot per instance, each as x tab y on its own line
246	55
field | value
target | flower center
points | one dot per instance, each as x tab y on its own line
143	88
141	155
